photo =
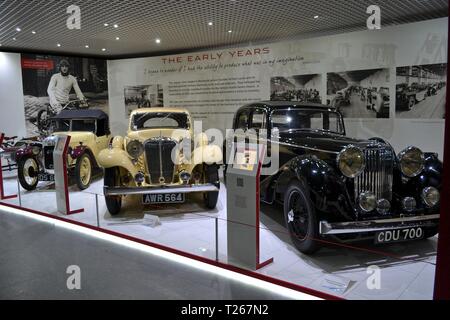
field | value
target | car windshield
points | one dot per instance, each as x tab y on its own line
159	120
62	125
87	125
307	119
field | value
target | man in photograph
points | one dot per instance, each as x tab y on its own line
60	86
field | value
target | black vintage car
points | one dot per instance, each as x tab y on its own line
341	188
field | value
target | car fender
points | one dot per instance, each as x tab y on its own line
116	157
78	151
22	152
431	176
327	189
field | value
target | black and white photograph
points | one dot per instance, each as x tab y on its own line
302	88
360	93
420	91
55	83
143	96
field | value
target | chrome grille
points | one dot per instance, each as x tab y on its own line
377	175
158	159
48	157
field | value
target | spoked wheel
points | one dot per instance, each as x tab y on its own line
112	179
300	219
83	171
27	170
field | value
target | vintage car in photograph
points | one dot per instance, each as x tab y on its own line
407	96
89	132
160	160
380	102
336	187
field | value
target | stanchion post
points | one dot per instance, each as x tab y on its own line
96	210
2	190
18	191
217	238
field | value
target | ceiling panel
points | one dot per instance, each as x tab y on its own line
183	25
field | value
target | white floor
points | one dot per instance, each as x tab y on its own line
406	269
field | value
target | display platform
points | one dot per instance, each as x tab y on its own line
407	269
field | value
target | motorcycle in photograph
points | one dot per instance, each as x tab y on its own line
46	113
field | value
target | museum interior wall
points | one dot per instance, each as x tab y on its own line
213	84
11	94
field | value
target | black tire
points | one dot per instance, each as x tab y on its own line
83	182
300	218
111	179
430	232
212	176
24	172
411	103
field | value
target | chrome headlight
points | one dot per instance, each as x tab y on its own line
430	196
135	149
367	201
35	150
351	161
185	176
50	141
412	161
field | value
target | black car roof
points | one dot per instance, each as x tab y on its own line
273	105
81	114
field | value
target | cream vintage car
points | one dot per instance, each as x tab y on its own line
160	160
89	132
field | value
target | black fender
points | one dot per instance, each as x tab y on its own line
431	176
327	188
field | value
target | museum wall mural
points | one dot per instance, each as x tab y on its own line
55	83
369	76
388	83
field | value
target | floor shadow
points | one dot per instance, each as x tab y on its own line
337	256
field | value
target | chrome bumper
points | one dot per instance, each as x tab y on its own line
327	228
118	191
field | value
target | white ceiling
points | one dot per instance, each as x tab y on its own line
183	25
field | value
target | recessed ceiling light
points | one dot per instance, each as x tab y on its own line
105	24
117	38
58	45
0	44
33	32
210	23
230	31
158	40
86	46
116	26
103	49
14	39
315	17
18	29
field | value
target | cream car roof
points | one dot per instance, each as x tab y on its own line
165	109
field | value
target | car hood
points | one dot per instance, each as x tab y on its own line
78	136
321	140
143	135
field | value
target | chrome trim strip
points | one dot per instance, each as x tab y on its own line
117	191
373	225
290	145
